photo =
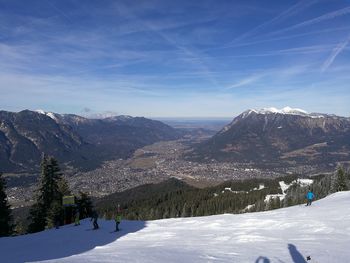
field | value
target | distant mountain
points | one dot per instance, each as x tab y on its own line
72	139
271	136
24	136
120	136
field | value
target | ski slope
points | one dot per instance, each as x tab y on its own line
321	231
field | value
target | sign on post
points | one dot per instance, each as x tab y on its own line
68	200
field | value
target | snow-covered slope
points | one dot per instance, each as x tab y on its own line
321	231
285	111
49	114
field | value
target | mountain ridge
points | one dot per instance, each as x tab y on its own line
74	140
272	136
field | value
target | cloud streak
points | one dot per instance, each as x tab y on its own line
295	9
245	82
335	52
162	57
316	20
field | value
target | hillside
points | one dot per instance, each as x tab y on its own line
279	138
74	140
284	235
174	198
25	135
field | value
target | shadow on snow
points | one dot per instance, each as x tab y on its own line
64	242
296	256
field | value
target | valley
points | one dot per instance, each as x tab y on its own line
153	164
119	153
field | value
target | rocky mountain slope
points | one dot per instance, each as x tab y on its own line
72	139
272	136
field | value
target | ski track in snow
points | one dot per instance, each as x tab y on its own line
321	231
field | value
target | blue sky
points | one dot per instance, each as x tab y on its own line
174	58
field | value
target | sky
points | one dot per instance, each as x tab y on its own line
160	58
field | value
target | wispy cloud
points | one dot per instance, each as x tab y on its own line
280	38
295	9
279	52
245	81
188	52
152	57
335	52
316	20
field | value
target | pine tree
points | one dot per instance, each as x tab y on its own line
54	214
63	187
340	180
37	218
48	194
49	183
6	226
84	204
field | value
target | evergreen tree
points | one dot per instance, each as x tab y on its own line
49	188
63	187
20	228
340	180
48	194
55	213
37	218
84	204
6	226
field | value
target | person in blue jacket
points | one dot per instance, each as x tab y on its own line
309	196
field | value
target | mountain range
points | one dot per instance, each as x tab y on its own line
267	137
74	140
279	137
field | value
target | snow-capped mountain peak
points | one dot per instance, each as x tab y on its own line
285	110
49	114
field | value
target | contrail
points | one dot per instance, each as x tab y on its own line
325	17
245	81
298	7
186	51
335	52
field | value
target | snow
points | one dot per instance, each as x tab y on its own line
284	187
229	189
49	114
269	197
235	192
286	110
321	231
248	207
261	186
305	182
41	112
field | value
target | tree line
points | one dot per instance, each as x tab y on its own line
48	209
169	199
230	197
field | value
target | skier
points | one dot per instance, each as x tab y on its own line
77	218
309	196
94	217
118	219
57	220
